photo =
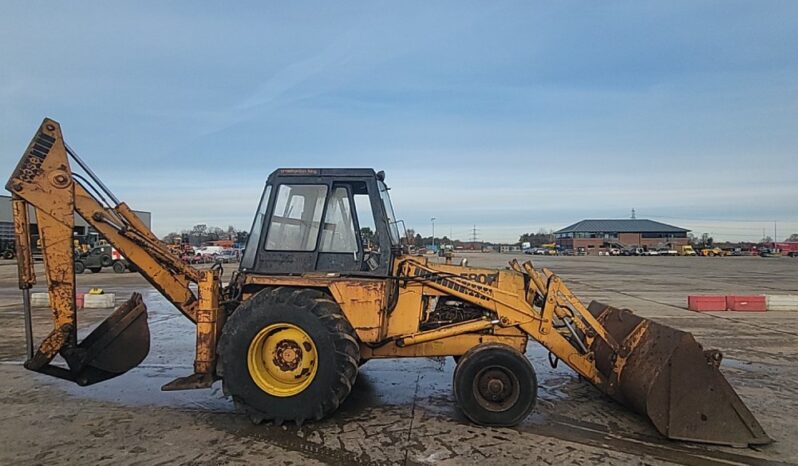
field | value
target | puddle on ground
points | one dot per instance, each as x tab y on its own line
399	404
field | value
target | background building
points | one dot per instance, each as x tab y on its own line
83	231
595	235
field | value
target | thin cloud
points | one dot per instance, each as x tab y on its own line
514	116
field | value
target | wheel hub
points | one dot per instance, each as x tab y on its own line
496	388
288	355
282	359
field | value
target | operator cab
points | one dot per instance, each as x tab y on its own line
323	220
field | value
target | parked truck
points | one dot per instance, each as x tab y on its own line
687	250
787	248
99	257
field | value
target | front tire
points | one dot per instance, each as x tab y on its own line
495	385
288	354
119	267
79	267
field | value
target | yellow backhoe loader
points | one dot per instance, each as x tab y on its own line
313	299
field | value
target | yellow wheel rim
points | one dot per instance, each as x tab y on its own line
282	359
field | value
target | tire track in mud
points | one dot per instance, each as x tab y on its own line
288	438
599	436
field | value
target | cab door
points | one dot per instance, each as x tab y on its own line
339	244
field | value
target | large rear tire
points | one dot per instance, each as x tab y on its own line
288	354
495	385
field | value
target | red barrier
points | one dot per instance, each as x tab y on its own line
746	303
706	303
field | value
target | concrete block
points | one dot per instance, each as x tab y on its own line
99	301
782	302
40	299
746	303
706	303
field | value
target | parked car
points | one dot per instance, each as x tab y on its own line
537	251
633	252
769	252
210	250
227	256
202	259
668	252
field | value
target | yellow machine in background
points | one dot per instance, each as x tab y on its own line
687	250
712	252
313	299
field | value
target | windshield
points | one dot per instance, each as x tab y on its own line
386	203
248	260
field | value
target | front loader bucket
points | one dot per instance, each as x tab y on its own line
664	374
117	345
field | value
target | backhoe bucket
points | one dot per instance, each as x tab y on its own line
664	374
117	345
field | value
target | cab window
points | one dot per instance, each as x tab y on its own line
338	234
365	217
297	217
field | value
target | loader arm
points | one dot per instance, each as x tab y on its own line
658	371
44	180
515	308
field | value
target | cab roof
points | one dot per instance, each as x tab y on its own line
327	173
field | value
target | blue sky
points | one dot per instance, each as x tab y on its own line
511	116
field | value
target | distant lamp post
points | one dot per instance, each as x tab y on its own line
433	232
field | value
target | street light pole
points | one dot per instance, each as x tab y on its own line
433	232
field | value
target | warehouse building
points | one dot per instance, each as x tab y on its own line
83	231
592	236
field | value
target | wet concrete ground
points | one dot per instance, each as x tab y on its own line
402	411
